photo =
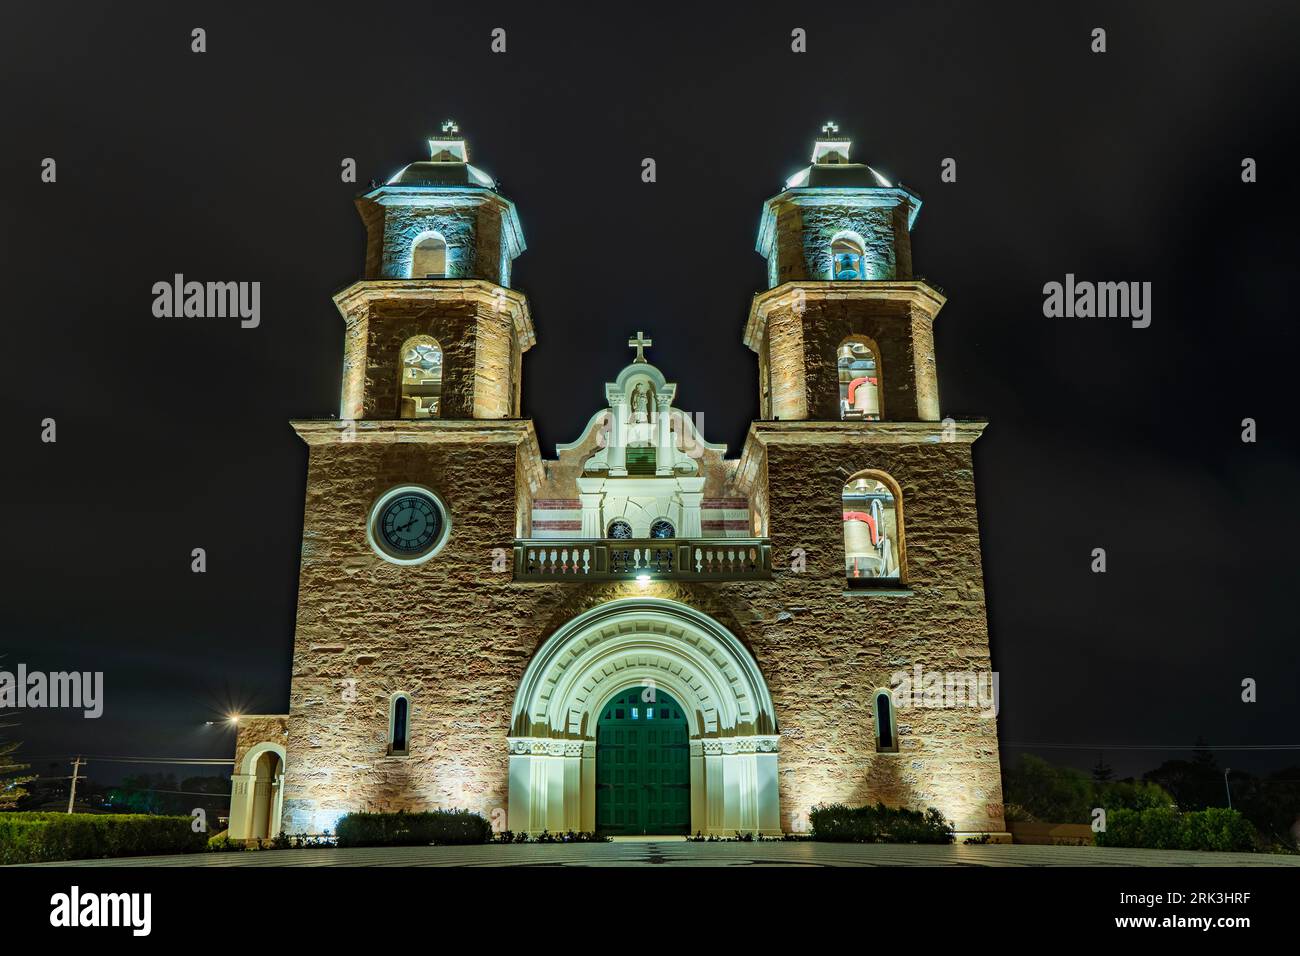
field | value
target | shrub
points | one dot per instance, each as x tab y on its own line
1162	828
441	827
879	824
45	837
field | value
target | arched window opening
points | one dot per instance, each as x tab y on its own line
421	377
872	529
429	257
859	370
886	728
619	529
663	528
848	258
399	720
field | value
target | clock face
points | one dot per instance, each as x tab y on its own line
408	524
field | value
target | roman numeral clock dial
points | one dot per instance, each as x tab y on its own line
408	525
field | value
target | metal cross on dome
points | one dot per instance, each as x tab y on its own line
640	343
450	127
830	129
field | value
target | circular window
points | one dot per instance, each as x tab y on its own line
663	529
620	529
408	525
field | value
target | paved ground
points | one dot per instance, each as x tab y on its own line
677	852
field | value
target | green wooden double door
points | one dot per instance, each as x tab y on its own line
643	773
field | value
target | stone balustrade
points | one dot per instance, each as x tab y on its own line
698	559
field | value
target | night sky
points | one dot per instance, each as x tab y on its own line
173	433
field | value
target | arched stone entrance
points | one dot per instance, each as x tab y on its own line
644	642
257	793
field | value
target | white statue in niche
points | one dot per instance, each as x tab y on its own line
640	402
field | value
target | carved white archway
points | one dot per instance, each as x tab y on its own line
630	643
248	791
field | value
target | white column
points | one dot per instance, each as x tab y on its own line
592	496
616	454
690	492
714	789
769	789
277	805
588	776
699	806
241	785
664	444
519	812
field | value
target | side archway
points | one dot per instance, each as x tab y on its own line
257	793
644	642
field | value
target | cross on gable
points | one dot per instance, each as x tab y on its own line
450	127
830	129
640	343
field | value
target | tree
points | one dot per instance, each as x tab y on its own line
1101	771
11	777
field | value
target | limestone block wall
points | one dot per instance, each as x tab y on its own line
256	729
823	648
481	328
446	632
804	231
457	637
805	326
470	223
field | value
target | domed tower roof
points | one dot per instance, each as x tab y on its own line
831	167
447	165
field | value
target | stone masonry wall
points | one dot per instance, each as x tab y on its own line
804	351
478	356
255	729
457	637
804	233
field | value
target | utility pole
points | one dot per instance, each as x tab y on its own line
72	796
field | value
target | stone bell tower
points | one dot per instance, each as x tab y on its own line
440	240
838	246
851	472
408	499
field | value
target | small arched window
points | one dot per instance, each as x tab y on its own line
848	257
886	726
421	377
619	529
399	725
429	257
873	529
859	372
663	528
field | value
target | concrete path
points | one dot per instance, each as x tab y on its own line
677	852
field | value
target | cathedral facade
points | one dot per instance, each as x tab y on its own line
639	634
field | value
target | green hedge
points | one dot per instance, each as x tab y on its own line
412	829
44	837
1163	828
838	823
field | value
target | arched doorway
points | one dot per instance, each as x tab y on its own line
266	787
257	793
643	767
620	647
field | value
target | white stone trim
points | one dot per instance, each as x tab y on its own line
629	643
